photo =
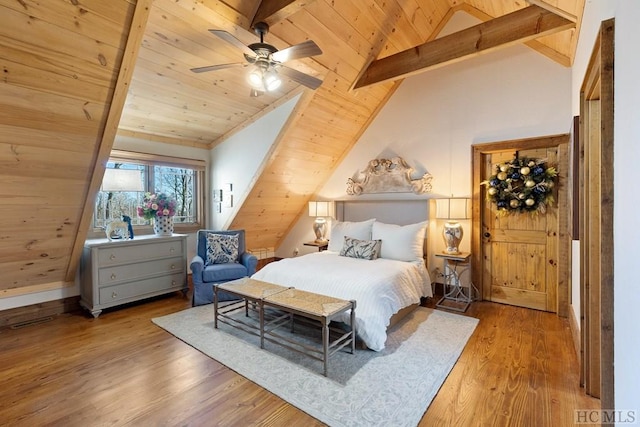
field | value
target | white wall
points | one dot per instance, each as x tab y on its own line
434	117
626	232
240	159
626	173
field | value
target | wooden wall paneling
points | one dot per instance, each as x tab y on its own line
217	13
363	21
77	19
56	77
64	117
51	81
402	31
340	26
336	55
27	32
105	143
419	18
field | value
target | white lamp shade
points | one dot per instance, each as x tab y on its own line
453	208
122	180
322	209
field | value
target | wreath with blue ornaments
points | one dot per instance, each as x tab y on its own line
522	185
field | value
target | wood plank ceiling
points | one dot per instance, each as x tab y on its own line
168	103
62	77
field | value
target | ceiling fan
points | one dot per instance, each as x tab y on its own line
267	61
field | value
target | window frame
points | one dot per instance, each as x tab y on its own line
151	160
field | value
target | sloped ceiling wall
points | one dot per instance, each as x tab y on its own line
60	62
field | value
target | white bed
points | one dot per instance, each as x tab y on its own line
381	287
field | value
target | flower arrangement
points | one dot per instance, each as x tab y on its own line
522	185
155	205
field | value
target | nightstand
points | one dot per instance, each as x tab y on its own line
457	296
321	246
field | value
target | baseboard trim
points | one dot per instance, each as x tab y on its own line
35	313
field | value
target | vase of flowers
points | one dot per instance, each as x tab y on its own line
159	208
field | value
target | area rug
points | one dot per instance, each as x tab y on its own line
391	387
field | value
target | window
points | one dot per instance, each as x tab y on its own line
130	175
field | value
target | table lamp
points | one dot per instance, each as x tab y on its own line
452	210
320	210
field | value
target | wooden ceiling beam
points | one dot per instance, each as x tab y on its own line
517	27
273	11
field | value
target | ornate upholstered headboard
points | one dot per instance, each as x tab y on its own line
401	212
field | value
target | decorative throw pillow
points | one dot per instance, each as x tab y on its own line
362	249
222	248
357	230
402	243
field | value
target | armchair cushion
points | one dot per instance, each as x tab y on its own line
223	272
222	248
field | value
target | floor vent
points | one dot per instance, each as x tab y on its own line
32	322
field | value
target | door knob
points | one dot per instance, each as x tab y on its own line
487	235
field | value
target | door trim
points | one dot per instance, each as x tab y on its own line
596	286
478	151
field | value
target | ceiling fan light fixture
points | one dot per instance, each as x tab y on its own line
271	80
266	61
255	78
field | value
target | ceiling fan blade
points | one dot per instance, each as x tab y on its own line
302	78
230	38
217	67
302	50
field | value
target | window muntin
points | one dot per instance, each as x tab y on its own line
184	182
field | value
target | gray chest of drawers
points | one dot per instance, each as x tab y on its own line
118	272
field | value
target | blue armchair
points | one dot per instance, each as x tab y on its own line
204	278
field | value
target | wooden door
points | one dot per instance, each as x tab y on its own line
521	249
522	259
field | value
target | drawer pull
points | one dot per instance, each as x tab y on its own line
172	250
114	295
173	267
173	283
112	257
113	276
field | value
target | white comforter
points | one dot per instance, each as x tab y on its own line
380	287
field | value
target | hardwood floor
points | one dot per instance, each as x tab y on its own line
518	369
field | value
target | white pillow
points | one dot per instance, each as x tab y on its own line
356	230
402	243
